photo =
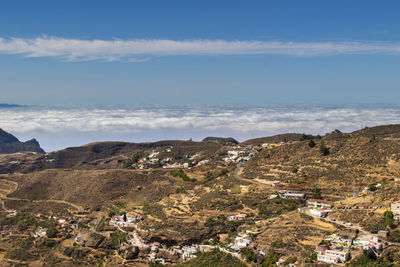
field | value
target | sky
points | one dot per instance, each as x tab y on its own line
199	52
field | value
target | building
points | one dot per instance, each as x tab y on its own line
395	208
342	255
382	234
327	258
237	217
368	242
319	204
320	213
294	195
277	185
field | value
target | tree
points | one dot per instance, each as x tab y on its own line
316	193
311	143
323	149
389	218
51	232
271	259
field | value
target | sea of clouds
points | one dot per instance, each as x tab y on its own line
57	127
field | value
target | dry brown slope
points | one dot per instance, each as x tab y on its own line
91	188
353	160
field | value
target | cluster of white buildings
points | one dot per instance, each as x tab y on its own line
125	221
336	248
241	241
237	217
189	252
368	242
238	154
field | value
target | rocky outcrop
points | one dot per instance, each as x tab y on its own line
10	144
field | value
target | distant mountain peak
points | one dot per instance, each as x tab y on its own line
2	105
10	144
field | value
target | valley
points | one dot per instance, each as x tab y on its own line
291	199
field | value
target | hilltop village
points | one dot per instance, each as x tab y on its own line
286	200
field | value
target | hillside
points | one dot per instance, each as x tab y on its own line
356	159
102	155
274	139
91	189
201	201
11	144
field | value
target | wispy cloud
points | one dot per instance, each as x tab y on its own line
58	127
142	49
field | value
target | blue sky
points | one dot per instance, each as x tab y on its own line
199	52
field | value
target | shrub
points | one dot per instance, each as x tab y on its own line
180	173
271	259
316	193
323	149
278	243
51	232
214	258
311	143
20	254
394	236
249	255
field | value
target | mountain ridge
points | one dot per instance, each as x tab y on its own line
10	144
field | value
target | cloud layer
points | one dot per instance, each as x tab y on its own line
58	127
142	49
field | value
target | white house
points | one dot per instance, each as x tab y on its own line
320	213
319	204
334	256
294	195
395	208
328	258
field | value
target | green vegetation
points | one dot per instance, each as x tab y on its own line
323	149
369	259
394	236
316	193
306	137
311	143
222	224
277	206
215	174
117	238
236	189
20	254
52	232
134	159
183	175
289	260
249	255
386	221
306	216
372	187
180	190
271	259
214	258
278	243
